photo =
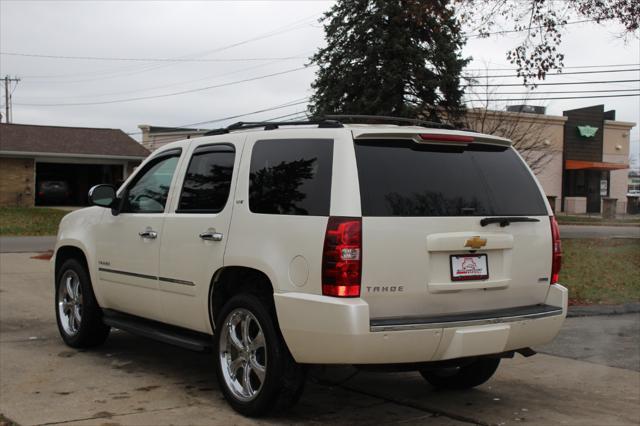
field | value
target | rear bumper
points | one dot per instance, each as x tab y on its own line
326	330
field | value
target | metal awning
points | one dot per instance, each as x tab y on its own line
593	165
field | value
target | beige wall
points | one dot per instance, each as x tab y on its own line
616	150
616	138
575	205
618	181
17	186
550	177
153	141
131	167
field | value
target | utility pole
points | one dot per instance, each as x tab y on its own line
7	97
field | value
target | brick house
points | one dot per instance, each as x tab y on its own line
79	157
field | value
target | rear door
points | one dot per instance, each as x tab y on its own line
196	231
425	251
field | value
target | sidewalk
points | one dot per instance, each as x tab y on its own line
26	244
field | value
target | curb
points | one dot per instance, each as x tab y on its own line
595	310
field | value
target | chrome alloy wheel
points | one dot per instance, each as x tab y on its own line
243	354
70	302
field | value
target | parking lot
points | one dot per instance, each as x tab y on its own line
590	375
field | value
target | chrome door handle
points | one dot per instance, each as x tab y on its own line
148	233
211	236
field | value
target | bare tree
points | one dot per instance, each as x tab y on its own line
542	23
531	134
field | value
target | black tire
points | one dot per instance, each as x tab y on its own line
90	331
284	379
464	377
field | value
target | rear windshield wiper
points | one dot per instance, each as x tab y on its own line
506	220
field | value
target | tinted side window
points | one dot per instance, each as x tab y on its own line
149	192
403	178
208	180
291	176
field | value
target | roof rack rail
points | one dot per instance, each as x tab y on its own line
386	118
326	121
212	132
271	125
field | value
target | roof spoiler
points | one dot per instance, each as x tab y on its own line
440	136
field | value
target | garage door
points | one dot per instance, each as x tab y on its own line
60	184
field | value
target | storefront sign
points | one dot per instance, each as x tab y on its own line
587	131
603	187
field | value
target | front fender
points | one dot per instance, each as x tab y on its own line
77	230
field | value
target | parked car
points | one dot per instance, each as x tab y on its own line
53	191
281	246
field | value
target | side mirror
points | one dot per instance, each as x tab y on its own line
102	195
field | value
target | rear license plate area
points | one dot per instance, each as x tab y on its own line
467	267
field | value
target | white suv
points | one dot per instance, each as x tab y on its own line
281	245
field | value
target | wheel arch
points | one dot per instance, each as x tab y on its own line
66	252
231	280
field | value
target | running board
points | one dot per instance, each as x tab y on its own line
496	316
155	330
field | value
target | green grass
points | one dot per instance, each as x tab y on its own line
23	221
601	271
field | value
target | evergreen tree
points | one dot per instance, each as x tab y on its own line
390	57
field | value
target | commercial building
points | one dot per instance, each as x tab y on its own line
39	161
581	158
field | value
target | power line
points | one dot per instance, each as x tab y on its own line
483	35
568	67
566	92
291	103
183	92
554	84
164	86
272	108
298	24
550	99
100	58
286	115
552	74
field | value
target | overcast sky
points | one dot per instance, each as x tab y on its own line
222	42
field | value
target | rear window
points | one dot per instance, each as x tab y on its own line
403	178
291	177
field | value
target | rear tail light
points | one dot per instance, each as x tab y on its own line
556	260
342	257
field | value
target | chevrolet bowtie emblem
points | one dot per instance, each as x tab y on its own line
475	242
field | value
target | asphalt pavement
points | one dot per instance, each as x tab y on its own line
581	378
26	244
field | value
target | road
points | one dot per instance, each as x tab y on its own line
26	244
39	244
131	380
590	231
